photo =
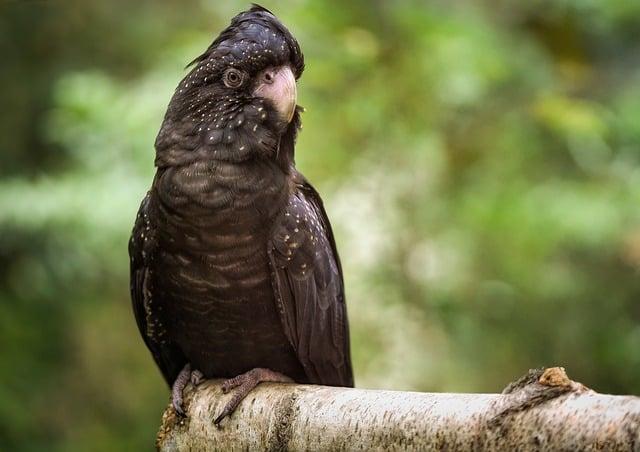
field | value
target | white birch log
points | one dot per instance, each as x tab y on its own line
542	411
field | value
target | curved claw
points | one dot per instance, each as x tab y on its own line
225	412
177	406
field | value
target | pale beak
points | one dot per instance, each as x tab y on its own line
278	84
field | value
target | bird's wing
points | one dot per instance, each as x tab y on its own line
309	288
167	355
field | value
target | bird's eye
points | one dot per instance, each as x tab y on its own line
233	78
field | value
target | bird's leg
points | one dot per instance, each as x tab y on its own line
185	376
245	383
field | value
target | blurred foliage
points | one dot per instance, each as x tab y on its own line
480	161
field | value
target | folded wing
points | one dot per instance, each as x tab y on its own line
307	279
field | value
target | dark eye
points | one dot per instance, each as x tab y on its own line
233	78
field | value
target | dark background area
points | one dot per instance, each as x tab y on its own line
480	162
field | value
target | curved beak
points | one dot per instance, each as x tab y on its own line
278	84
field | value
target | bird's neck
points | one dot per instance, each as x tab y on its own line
229	132
252	132
229	198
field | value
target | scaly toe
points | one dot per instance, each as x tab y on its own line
197	377
232	383
245	384
177	388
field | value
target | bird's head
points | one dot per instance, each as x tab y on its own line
239	99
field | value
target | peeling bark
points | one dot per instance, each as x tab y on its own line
544	410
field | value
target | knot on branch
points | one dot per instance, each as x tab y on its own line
552	377
537	387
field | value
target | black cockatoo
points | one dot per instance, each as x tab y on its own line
234	268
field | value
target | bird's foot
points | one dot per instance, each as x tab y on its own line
185	376
245	383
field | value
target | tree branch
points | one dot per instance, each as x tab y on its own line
544	410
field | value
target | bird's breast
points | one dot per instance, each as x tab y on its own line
215	219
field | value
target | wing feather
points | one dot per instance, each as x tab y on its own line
167	355
307	278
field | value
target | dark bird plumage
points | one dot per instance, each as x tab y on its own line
233	261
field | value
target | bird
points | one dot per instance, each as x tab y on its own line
233	263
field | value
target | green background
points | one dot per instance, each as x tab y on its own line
480	162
